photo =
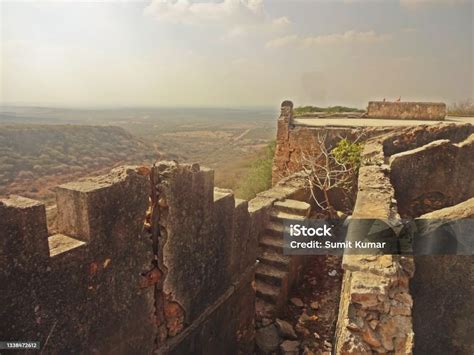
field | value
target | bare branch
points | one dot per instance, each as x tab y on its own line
324	172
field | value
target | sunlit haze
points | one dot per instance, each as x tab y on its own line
234	53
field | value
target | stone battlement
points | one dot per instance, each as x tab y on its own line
145	260
429	111
85	277
158	260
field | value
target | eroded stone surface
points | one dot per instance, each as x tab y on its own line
377	301
86	297
442	317
433	176
267	339
431	111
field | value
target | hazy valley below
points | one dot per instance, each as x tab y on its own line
43	147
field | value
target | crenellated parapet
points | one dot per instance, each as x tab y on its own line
79	288
24	242
200	249
108	281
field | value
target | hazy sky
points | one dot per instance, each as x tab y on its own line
235	52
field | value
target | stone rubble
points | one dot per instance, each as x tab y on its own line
285	329
290	347
297	302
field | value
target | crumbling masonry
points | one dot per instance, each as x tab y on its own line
178	278
387	302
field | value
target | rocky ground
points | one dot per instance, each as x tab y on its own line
307	323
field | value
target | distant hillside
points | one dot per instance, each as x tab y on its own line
32	156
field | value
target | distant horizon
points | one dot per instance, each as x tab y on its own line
118	107
186	107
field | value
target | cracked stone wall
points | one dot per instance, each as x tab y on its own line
78	291
104	284
206	286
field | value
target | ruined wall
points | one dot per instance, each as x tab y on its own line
293	142
407	172
442	290
430	111
433	176
105	284
418	136
432	181
205	272
375	305
415	303
79	291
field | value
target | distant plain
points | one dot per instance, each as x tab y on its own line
226	140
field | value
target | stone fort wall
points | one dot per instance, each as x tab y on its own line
122	277
403	303
101	285
181	282
387	304
80	289
430	111
294	141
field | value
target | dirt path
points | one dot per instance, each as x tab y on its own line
241	135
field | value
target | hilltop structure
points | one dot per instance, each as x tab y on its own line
158	260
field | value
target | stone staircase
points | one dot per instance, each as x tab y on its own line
276	272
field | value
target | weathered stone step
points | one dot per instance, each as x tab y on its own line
275	228
271	242
270	257
279	216
270	274
266	292
299	208
263	309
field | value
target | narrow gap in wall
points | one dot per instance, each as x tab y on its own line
319	289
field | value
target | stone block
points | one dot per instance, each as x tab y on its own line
418	136
96	209
24	255
86	297
375	196
366	288
429	111
442	290
23	234
433	176
197	241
